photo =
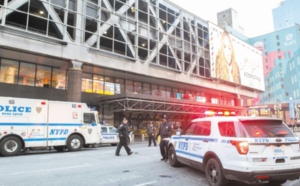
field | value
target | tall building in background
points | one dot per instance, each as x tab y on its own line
287	14
281	63
229	17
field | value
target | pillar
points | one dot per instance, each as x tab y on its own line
74	82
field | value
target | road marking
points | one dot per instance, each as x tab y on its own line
48	170
148	183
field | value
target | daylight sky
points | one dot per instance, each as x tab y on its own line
255	16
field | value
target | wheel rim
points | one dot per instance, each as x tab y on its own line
11	146
172	155
75	143
213	174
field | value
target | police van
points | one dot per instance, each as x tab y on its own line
30	123
245	149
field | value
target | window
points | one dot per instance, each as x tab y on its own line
119	86
227	129
87	83
129	86
202	128
103	130
109	87
58	78
9	71
43	76
27	74
98	82
146	89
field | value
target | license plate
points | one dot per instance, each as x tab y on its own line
278	151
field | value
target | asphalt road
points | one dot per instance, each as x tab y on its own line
99	167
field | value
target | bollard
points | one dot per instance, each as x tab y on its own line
143	137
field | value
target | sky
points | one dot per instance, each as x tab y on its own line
255	16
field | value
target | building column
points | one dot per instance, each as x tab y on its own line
74	82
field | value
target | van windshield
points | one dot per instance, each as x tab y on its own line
266	128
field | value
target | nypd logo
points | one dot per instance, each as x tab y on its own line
8	110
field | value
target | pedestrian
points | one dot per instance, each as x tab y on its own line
151	134
165	132
123	135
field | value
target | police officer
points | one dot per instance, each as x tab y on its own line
165	132
151	134
123	135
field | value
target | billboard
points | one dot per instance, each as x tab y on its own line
235	61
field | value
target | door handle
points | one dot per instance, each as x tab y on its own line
205	141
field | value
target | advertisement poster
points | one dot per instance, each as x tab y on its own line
235	61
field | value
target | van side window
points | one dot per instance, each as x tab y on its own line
227	129
89	118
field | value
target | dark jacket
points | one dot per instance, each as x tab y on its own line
151	131
123	130
165	130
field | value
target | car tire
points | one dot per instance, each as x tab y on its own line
214	174
114	144
173	158
75	143
10	146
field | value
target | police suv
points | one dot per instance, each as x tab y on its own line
246	149
110	135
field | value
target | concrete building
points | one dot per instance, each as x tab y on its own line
286	14
229	17
132	58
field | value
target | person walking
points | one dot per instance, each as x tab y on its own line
123	135
165	132
151	134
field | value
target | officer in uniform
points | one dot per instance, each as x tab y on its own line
165	132
123	135
151	134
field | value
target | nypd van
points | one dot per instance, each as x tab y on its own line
246	149
31	123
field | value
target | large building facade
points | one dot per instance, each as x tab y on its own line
281	63
286	15
133	58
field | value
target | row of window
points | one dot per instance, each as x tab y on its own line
175	46
92	83
23	73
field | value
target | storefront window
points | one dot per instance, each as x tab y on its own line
43	76
155	91
9	71
119	86
98	82
168	92
174	93
87	83
129	86
109	86
27	74
59	78
137	87
162	91
146	89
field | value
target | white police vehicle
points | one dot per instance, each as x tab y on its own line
110	135
246	149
